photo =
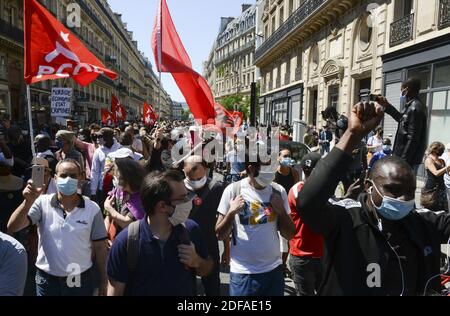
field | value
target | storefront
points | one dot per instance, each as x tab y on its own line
430	62
282	106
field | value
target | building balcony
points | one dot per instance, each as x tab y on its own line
304	22
85	8
135	96
11	32
236	52
444	14
402	30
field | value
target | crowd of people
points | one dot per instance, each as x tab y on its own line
120	213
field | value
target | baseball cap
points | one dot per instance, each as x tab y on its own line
310	161
122	153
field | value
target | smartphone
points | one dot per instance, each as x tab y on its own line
37	176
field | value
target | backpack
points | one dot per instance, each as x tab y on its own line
133	249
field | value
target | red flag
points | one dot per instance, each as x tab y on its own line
226	119
150	116
118	110
171	56
53	52
107	117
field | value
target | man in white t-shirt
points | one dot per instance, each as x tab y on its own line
252	211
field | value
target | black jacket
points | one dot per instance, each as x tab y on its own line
353	240
411	139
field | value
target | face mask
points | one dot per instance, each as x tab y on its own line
101	141
181	213
403	97
387	147
67	186
264	179
195	185
59	144
286	162
115	182
393	209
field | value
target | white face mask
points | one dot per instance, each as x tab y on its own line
181	213
195	185
265	179
115	182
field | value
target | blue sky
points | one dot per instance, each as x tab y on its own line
197	22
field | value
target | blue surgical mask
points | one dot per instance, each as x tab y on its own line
286	162
387	147
59	144
67	186
393	209
403	98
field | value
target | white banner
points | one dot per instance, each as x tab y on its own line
61	102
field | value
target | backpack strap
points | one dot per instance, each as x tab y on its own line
236	191
133	246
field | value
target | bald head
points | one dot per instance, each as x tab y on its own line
194	168
42	142
394	178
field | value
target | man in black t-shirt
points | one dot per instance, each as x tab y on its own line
204	213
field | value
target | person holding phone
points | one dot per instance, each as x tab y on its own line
70	229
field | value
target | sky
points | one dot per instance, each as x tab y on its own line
197	22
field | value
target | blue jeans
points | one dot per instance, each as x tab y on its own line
264	284
48	285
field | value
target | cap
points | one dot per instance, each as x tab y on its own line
310	161
122	153
66	135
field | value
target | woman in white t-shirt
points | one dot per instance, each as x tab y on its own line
375	143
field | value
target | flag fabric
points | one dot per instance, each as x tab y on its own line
54	52
226	119
171	56
150	116
107	117
118	110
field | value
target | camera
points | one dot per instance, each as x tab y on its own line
369	98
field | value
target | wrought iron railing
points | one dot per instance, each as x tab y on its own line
402	30
306	10
444	13
11	32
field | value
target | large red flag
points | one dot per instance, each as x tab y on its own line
150	116
118	110
53	52
171	56
107	117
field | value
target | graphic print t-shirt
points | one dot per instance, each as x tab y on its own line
257	248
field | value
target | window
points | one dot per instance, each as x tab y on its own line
333	96
365	33
273	25
441	75
291	6
422	73
281	18
314	62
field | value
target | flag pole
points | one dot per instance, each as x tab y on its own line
159	47
30	121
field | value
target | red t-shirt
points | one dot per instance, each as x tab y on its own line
305	241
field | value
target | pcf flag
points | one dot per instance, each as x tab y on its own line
53	52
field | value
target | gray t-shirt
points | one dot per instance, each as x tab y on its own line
13	266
